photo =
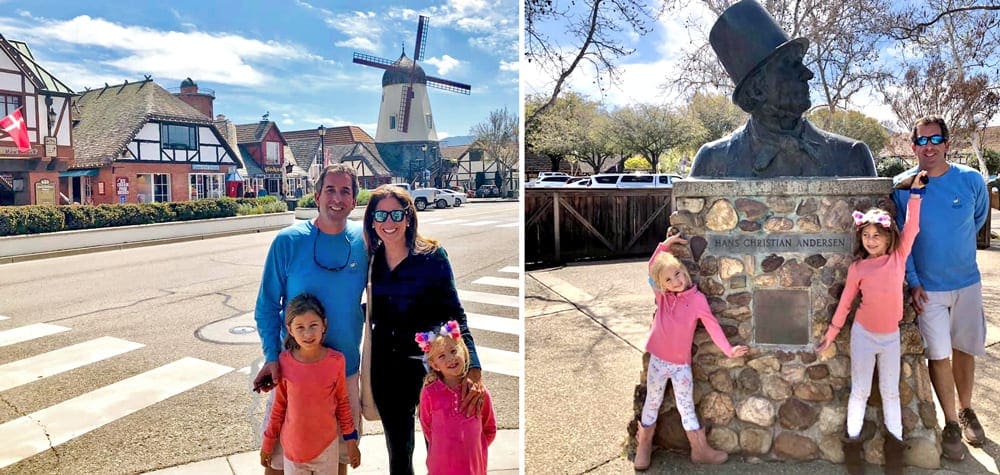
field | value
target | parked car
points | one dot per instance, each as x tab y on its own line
459	198
488	191
605	180
583	182
422	197
443	200
634	180
549	182
548	174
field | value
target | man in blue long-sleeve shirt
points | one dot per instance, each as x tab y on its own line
944	281
325	257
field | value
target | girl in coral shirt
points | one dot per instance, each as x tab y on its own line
679	308
456	443
311	399
877	273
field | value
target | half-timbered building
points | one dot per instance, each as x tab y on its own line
472	168
138	143
32	177
345	144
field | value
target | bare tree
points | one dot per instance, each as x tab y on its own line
651	130
498	137
591	30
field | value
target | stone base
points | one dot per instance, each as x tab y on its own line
771	256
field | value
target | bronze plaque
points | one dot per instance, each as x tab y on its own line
781	317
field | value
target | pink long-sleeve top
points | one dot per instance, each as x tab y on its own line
880	281
677	316
310	402
456	444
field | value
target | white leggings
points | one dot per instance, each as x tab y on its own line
866	346
657	374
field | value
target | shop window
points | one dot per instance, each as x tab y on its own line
207	185
153	187
273	152
179	137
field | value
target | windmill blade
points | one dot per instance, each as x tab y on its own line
451	86
373	61
404	108
421	43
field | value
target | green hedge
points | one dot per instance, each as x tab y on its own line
33	219
309	201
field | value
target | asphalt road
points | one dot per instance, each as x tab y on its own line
129	361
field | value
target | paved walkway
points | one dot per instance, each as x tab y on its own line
504	459
585	329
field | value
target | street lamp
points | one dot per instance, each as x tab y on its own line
321	131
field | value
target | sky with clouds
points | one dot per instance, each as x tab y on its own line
656	58
291	58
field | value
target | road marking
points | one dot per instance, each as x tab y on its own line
498	281
3	317
488	298
511	269
450	221
494	324
32	434
64	359
244	370
499	361
510	225
480	223
29	332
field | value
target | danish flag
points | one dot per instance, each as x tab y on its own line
14	125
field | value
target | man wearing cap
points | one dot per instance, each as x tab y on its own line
772	85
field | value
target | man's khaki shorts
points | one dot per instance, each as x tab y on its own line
953	320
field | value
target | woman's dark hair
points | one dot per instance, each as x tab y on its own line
414	241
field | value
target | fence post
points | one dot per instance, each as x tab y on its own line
555	224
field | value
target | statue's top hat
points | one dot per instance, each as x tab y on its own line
745	37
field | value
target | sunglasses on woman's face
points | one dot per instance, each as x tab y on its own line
397	215
933	139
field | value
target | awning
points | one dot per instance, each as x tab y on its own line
81	172
235	176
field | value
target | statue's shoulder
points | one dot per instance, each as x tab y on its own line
720	148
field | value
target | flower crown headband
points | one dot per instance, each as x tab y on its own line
450	328
873	217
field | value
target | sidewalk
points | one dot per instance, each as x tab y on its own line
503	453
585	330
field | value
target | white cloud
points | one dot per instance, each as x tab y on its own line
444	64
512	66
363	44
223	58
363	29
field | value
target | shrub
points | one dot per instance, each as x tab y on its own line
890	167
309	201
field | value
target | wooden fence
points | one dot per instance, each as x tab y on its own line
569	225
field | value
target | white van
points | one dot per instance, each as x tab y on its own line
634	180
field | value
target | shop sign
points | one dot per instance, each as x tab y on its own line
205	167
45	192
121	185
50	147
13	151
273	170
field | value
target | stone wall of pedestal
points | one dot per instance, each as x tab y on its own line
772	257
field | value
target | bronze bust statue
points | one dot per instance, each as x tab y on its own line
772	86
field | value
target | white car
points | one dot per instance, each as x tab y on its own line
548	174
443	199
581	183
556	181
460	198
634	180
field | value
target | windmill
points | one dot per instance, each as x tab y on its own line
406	131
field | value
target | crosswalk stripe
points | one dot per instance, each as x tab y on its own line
499	361
511	270
488	298
479	223
450	221
55	425
494	324
64	359
509	225
498	281
29	332
3	317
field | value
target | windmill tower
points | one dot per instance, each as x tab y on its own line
406	136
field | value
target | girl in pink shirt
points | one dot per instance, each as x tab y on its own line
679	308
456	443
310	403
877	273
